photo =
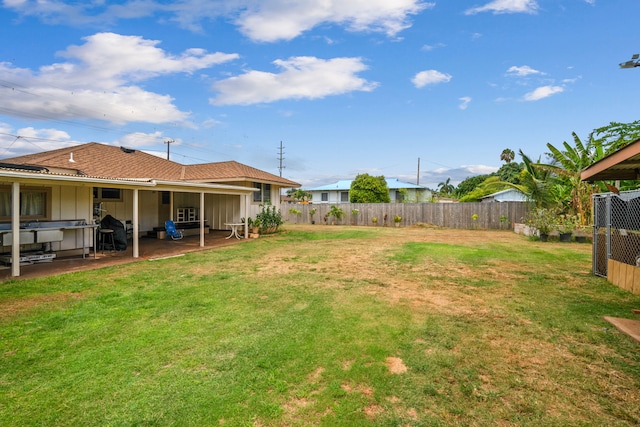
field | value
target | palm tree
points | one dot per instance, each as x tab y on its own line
446	188
507	155
534	181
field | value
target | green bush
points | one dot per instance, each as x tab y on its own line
270	219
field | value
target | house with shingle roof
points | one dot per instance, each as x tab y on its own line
130	185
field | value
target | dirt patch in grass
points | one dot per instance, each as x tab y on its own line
16	307
396	365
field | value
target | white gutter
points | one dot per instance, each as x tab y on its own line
73	178
230	189
116	183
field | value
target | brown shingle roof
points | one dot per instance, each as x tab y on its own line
107	161
232	171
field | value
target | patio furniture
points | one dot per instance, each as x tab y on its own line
234	229
106	237
170	228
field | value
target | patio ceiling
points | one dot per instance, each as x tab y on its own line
624	164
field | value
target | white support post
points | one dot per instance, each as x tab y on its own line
15	229
171	205
202	219
244	209
136	247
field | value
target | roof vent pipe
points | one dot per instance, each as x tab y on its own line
71	158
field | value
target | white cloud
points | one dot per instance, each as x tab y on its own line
141	139
506	6
466	100
30	139
523	71
211	123
430	47
543	92
284	20
457	175
429	77
111	56
265	20
96	81
302	77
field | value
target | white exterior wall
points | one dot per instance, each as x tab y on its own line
72	203
334	196
76	202
226	209
148	209
67	203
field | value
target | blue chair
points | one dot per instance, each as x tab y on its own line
170	228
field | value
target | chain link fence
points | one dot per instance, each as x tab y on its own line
616	233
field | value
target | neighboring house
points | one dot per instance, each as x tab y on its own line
399	191
508	195
86	182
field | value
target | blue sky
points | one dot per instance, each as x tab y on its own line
348	86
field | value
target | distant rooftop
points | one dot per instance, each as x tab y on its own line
345	184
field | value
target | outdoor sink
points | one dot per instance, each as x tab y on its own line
31	225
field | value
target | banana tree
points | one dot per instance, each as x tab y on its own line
568	163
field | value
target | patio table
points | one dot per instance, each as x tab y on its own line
234	229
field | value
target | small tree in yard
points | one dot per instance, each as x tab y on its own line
369	189
296	212
335	212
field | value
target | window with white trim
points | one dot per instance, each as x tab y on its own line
35	203
264	195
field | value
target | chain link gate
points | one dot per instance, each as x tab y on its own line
616	233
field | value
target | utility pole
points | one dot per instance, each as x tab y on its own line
418	177
168	142
281	158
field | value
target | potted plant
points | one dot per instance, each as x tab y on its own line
312	212
397	219
581	234
565	226
255	226
474	218
374	220
542	220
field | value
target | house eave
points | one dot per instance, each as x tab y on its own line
163	185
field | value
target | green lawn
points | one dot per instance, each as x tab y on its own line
325	325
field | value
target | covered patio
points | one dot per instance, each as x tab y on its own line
149	249
80	205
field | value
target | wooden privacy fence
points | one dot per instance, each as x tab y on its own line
494	216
